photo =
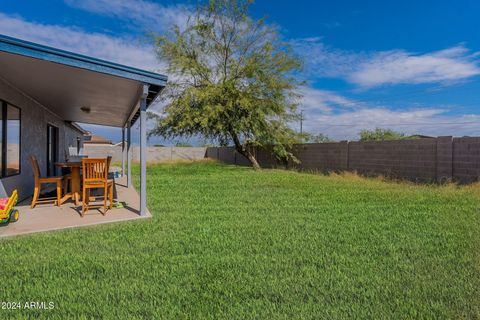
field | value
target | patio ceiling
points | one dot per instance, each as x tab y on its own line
76	87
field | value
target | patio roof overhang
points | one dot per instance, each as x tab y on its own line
76	87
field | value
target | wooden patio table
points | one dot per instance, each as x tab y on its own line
75	182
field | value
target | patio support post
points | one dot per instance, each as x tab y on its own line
143	151
123	151
129	155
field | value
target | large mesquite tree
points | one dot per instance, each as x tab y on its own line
232	81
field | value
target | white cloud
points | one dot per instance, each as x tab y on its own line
395	67
143	13
427	121
121	50
324	61
342	118
372	69
317	101
363	69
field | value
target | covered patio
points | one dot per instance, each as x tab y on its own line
52	87
45	217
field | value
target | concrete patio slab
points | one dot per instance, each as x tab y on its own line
48	217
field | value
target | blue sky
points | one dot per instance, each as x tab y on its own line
413	66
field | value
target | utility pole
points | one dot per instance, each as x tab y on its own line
301	121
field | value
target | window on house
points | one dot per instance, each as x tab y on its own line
13	141
9	140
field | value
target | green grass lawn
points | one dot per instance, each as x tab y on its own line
229	242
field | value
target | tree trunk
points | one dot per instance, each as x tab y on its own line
245	152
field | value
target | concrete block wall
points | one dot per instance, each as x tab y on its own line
466	159
265	158
410	159
322	156
441	159
227	154
444	160
242	161
102	151
231	156
154	154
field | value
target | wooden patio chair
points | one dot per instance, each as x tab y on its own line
95	176
39	181
109	160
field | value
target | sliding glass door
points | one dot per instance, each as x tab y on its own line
52	150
